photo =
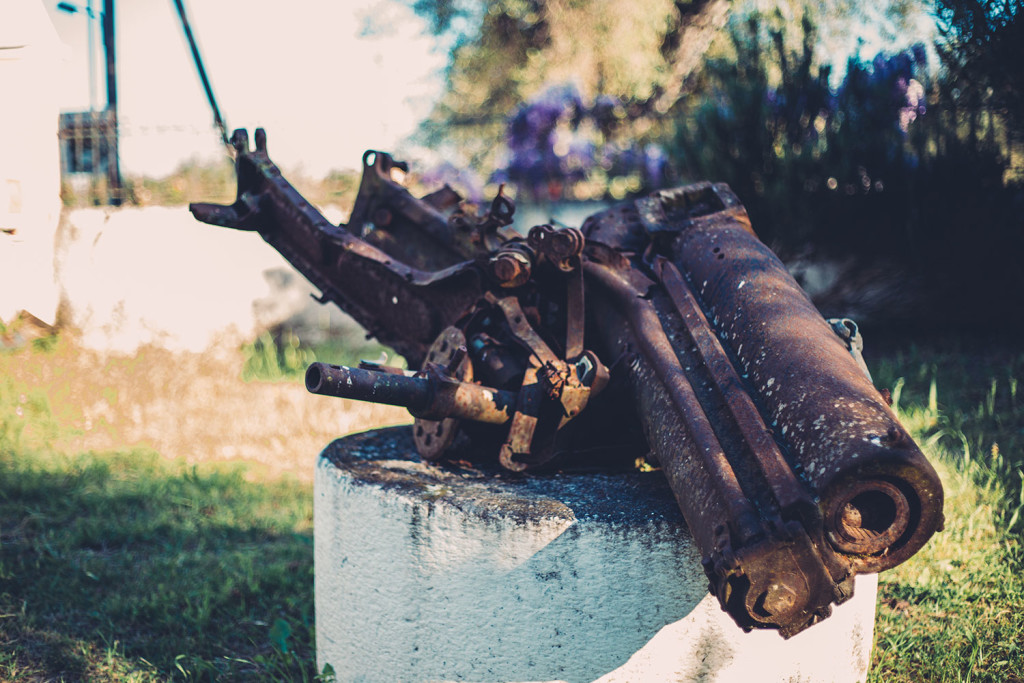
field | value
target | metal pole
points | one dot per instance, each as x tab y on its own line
218	121
90	18
110	48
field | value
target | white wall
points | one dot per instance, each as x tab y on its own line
30	61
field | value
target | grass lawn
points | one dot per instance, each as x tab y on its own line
955	612
156	514
125	566
132	555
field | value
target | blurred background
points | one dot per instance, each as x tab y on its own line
878	150
156	443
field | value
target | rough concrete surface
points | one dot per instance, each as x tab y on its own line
426	573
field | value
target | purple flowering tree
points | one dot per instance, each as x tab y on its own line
560	147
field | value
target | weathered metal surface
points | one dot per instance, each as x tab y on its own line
405	307
790	468
434	437
433	397
765	569
839	431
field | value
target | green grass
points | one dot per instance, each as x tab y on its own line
955	612
127	566
270	359
132	567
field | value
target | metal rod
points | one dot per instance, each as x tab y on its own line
90	18
368	385
115	193
746	420
218	120
652	342
428	397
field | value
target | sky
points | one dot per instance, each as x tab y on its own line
323	87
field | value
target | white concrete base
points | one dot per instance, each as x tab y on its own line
430	574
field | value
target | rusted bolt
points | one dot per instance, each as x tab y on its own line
382	217
852	517
510	269
506	268
565	243
458	355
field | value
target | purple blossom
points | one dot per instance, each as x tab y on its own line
549	149
655	165
914	106
920	54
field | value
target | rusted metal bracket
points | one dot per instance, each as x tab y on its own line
405	307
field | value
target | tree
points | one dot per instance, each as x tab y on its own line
982	49
638	53
879	168
605	76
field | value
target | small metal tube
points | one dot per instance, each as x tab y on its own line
430	397
413	393
479	404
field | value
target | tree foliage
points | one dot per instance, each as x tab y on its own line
571	98
982	49
880	166
767	120
854	156
512	51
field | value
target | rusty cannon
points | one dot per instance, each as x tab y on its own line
661	329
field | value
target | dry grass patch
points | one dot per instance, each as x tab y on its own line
183	405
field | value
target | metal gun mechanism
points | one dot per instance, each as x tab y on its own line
661	326
496	372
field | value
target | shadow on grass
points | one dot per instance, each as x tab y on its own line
128	566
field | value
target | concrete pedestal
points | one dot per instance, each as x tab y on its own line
426	573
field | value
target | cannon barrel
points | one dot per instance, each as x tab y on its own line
792	472
432	396
879	498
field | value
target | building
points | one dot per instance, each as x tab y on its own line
31	59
